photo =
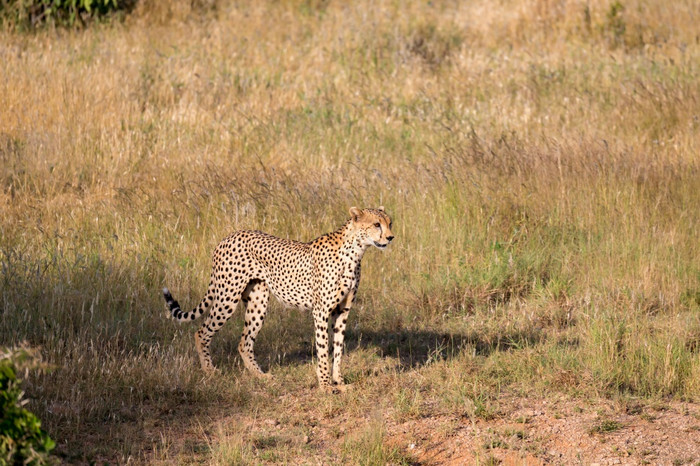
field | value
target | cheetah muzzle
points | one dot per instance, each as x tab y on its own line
321	276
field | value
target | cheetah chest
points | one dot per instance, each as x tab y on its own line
349	277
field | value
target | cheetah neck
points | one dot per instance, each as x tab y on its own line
352	246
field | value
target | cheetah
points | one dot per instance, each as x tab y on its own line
321	276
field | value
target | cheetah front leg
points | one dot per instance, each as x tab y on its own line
322	317
340	317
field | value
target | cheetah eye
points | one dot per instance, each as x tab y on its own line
377	225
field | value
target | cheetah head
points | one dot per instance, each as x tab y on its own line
373	226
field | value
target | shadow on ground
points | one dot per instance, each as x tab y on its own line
289	341
415	348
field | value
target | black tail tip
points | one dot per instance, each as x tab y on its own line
172	305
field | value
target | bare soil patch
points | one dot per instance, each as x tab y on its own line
301	427
533	432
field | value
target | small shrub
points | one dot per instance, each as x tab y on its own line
616	23
22	441
26	14
431	44
606	426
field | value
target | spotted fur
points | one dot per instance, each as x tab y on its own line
321	276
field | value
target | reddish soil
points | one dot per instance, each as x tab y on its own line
520	431
530	432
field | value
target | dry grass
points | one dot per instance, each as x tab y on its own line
540	161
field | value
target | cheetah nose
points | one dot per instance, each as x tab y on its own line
390	237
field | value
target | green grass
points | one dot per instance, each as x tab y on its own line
605	427
369	448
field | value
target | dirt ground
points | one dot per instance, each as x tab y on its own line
531	432
523	431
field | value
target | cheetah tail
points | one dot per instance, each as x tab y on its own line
176	313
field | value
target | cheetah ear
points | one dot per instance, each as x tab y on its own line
355	213
381	208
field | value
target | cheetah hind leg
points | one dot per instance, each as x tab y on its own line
202	341
255	299
221	310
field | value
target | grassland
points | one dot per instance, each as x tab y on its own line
540	160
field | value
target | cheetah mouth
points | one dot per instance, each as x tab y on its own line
380	245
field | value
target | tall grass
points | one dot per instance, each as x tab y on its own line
540	161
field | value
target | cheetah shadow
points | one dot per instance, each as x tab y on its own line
408	349
415	348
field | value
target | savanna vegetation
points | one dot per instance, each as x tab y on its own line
540	160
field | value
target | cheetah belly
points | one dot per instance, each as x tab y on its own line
291	297
291	289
